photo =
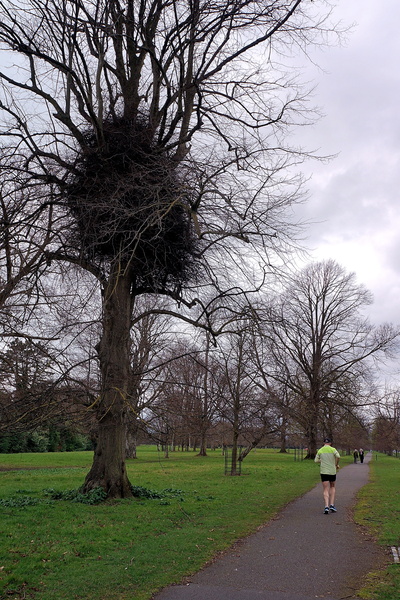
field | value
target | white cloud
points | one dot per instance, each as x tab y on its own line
355	199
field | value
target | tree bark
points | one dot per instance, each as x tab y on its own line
131	441
203	442
108	470
234	455
312	428
205	408
283	433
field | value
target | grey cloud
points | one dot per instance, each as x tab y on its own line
355	199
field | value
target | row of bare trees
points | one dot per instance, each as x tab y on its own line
305	361
289	369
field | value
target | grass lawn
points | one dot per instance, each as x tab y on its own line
378	509
128	549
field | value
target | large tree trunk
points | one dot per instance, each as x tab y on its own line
235	436
131	441
204	413
203	442
234	456
312	426
108	470
283	433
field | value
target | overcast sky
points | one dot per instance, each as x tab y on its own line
355	198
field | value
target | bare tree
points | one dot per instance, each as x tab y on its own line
321	346
154	132
34	395
188	391
245	405
386	423
150	351
23	241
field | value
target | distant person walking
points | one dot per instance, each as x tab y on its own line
328	458
355	455
361	455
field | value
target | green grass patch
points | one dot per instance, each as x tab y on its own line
185	511
47	460
378	509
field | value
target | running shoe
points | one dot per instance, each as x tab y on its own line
332	508
326	510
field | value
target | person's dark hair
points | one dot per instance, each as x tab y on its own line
327	440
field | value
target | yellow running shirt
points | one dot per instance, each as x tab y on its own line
327	456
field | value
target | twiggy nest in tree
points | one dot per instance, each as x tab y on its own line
128	201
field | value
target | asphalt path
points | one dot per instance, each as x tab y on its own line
302	554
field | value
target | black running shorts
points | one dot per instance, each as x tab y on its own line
325	477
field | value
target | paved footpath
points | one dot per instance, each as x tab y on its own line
302	554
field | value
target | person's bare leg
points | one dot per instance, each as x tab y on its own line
326	490
332	491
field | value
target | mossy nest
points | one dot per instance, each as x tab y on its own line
129	202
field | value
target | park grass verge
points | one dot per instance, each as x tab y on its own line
129	549
378	509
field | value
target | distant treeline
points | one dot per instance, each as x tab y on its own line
44	440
